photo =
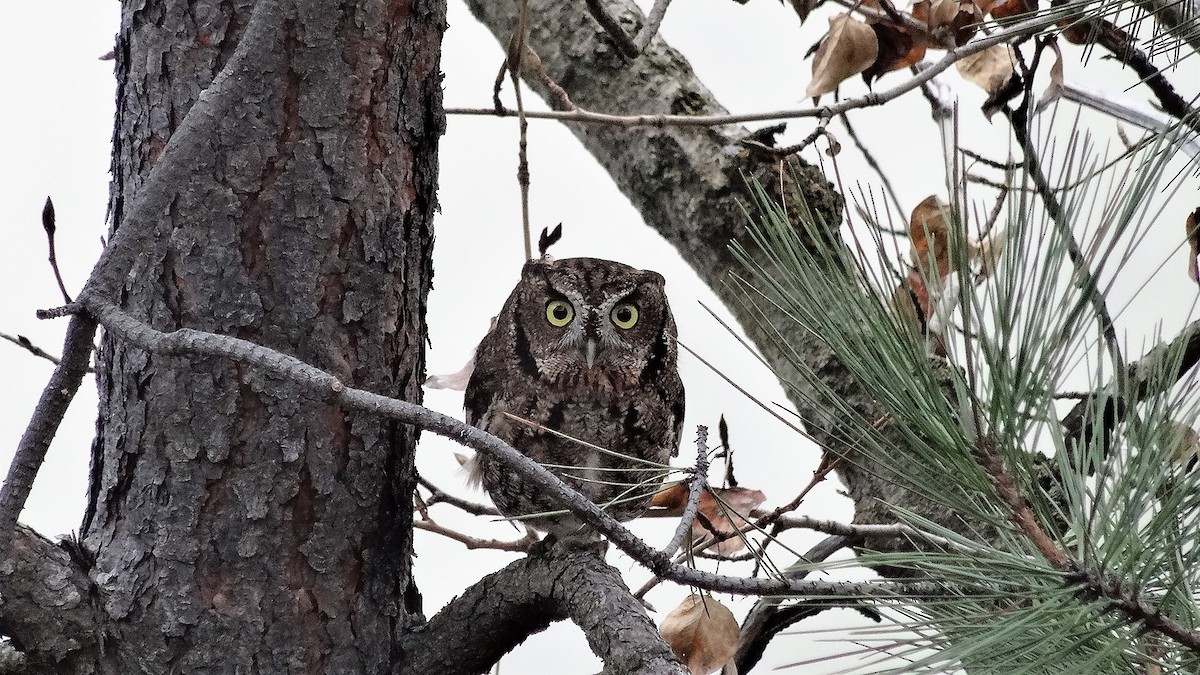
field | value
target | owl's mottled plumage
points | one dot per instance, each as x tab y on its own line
628	399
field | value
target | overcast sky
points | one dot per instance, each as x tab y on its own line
56	121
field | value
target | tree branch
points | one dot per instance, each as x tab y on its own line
696	486
43	425
515	546
24	343
50	607
497	613
1101	411
763	622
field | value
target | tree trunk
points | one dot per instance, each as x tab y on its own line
237	524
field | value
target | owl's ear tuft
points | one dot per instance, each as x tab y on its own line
535	267
652	277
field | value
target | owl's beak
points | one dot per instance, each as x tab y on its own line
589	351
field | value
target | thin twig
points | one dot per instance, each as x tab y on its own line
1019	121
48	224
649	29
614	30
1122	46
514	69
43	425
869	157
439	496
696	486
780	153
24	343
516	546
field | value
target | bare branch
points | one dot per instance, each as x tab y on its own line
614	30
1122	46
1019	121
653	21
1100	411
24	343
494	615
49	604
761	624
439	496
43	425
516	546
696	487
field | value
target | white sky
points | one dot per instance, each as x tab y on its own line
55	126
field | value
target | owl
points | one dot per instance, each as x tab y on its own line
587	348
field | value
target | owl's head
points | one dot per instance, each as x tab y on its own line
585	315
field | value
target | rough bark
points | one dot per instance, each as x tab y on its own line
47	606
496	614
237	524
688	184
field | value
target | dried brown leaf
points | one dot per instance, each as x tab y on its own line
849	48
726	515
671	497
948	21
1054	90
897	49
702	632
928	233
1001	10
988	69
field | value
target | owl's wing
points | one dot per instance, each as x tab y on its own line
677	408
481	389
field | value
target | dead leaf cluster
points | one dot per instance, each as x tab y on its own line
890	39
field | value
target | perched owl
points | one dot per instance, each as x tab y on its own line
585	347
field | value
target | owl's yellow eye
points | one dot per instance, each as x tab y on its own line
559	312
625	315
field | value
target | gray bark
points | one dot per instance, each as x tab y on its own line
474	630
237	524
47	605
